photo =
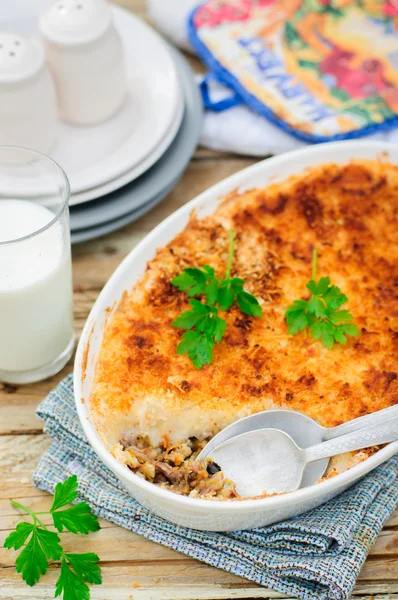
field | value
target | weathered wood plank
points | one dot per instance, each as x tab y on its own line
129	547
171	581
19	456
380	569
159	582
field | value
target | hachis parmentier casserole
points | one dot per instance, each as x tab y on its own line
156	408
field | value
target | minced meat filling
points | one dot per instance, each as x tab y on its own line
175	467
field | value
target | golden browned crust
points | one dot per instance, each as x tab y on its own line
349	213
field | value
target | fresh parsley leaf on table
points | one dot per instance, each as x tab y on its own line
321	313
203	324
40	545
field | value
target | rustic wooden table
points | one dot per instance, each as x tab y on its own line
134	568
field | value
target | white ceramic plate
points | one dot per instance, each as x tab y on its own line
191	512
92	156
91	233
134	138
114	209
138	170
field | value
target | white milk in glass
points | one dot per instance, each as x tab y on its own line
35	288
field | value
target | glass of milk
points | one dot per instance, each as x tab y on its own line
36	325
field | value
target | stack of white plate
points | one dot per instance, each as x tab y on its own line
122	168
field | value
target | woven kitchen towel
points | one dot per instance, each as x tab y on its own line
316	556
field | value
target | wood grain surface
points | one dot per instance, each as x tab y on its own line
134	568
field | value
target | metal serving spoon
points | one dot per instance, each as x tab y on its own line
304	431
268	460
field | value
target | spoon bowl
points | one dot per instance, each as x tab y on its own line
268	461
302	429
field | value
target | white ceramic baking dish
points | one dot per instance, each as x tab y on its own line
196	513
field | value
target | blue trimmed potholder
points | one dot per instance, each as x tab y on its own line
320	69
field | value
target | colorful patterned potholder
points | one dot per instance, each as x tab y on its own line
320	69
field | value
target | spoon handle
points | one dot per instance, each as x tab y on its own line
356	424
381	433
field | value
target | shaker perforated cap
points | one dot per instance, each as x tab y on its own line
72	22
20	57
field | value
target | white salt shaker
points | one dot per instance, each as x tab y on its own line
28	105
85	55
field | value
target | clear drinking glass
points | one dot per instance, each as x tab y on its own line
36	322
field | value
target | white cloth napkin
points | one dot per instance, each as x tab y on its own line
170	17
239	129
242	131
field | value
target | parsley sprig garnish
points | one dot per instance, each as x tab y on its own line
204	325
41	544
321	312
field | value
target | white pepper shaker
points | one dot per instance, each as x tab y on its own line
28	105
85	55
